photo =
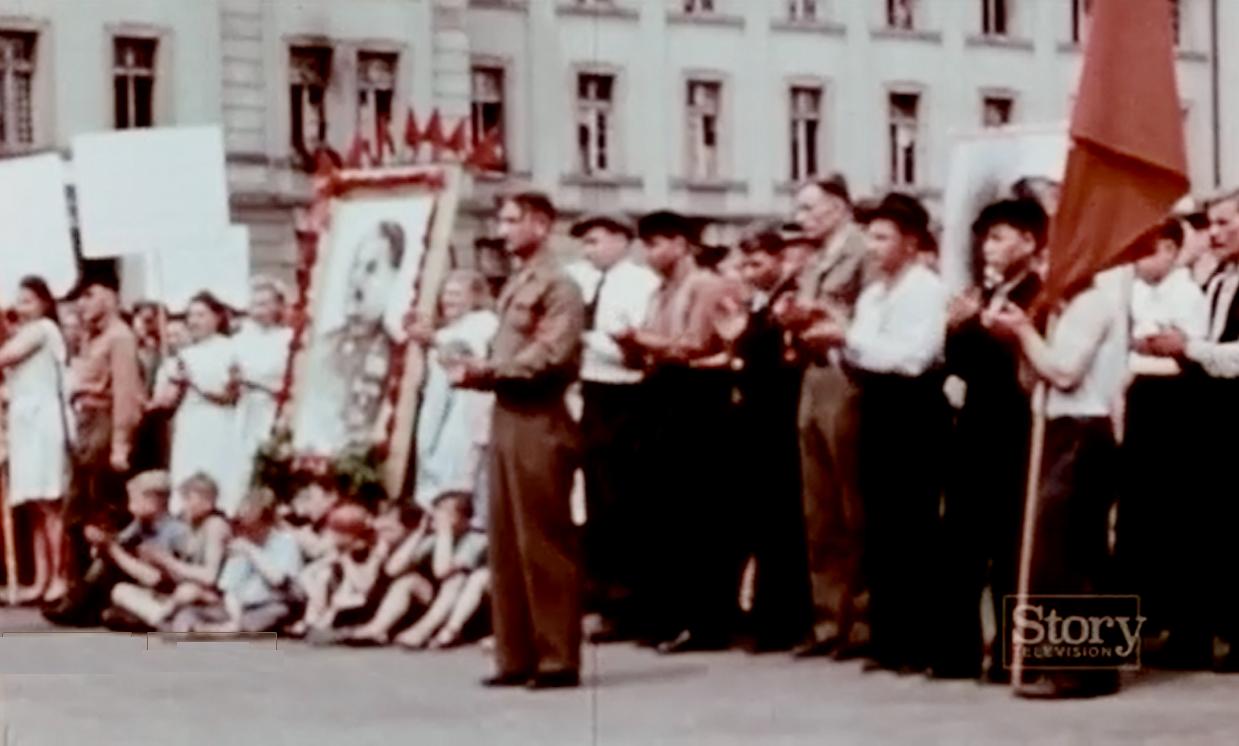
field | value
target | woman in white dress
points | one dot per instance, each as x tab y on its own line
35	360
261	350
453	424
202	387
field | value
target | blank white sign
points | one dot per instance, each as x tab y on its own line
35	237
145	190
175	274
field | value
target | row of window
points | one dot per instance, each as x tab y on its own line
133	85
996	15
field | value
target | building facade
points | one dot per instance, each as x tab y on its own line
712	107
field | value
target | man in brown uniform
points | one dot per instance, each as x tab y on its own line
535	580
834	523
107	398
692	561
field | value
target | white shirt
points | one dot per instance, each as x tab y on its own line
1219	359
1091	334
1176	302
624	302
899	328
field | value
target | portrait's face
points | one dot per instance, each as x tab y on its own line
371	278
455	300
818	213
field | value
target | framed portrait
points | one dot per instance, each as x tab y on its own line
375	248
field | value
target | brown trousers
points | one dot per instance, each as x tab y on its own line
834	515
534	546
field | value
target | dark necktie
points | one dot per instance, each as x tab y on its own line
591	309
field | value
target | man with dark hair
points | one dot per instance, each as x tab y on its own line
827	288
535	356
894	347
769	388
618	292
985	490
693	567
1212	363
107	397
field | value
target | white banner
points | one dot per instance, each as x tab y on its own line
35	235
175	274
150	189
984	167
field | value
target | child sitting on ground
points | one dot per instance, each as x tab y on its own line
195	564
341	580
456	554
316	496
116	556
256	590
402	590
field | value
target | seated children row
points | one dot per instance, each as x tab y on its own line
330	570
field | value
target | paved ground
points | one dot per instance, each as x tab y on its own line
100	688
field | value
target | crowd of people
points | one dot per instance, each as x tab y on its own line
802	443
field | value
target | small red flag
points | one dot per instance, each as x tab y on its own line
457	141
487	154
358	153
412	135
433	133
1128	163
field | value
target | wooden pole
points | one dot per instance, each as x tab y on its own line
1032	489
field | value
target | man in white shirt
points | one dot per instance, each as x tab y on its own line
1154	544
894	347
1212	363
1084	365
617	291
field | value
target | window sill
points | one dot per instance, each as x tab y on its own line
715	186
705	19
932	37
613	181
604	10
825	28
999	41
516	5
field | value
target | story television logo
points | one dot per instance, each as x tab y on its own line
1051	633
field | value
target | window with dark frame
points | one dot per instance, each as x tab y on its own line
16	88
901	14
704	113
376	93
997	110
309	74
802	10
133	82
995	17
595	93
806	121
486	108
904	133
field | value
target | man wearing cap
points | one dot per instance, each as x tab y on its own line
617	291
535	356
107	397
691	563
985	492
834	517
894	347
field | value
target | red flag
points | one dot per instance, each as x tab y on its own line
487	154
1128	163
433	133
456	141
412	135
358	153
